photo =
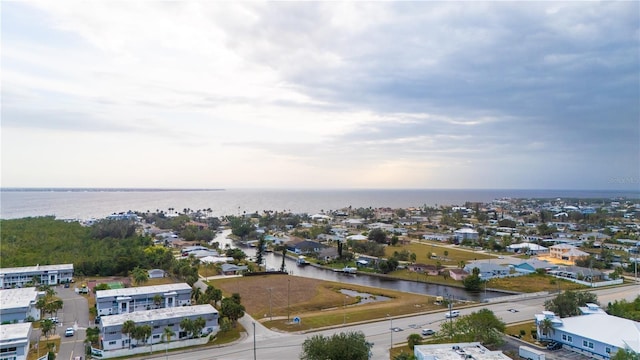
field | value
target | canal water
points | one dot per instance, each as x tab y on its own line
274	261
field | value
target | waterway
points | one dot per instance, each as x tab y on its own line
274	261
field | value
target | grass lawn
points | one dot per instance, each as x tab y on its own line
527	327
533	283
425	249
44	346
318	303
418	277
225	337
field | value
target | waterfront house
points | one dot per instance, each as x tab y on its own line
119	301
488	270
305	247
458	274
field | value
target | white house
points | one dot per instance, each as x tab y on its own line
45	274
528	248
118	301
17	305
465	234
595	334
14	341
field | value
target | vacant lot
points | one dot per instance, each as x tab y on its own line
424	253
277	299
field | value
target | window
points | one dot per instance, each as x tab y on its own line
570	338
587	344
112	342
584	343
156	336
564	337
607	350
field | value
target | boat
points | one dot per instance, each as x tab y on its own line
302	261
347	270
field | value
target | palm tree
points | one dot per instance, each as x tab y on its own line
128	328
545	328
167	333
157	300
47	326
140	275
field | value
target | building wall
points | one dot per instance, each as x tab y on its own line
15	348
141	302
114	339
49	277
584	345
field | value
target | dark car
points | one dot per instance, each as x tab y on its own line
554	345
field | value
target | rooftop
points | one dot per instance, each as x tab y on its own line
458	350
157	314
143	290
620	332
17	298
14	333
25	269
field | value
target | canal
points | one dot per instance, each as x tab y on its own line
274	261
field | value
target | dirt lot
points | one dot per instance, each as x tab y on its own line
281	297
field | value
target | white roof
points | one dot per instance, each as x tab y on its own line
156	314
455	351
216	259
357	237
465	230
530	246
11	333
17	298
37	268
142	290
620	332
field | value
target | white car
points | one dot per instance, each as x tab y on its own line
427	332
69	332
452	314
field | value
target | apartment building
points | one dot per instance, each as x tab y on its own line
14	341
44	274
127	300
18	305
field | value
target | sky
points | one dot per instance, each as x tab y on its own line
321	95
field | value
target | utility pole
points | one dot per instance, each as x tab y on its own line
254	340
270	315
288	302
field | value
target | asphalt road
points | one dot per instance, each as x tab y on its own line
75	314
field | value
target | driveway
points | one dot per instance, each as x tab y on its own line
75	314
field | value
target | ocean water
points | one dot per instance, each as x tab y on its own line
98	203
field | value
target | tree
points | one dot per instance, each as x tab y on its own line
378	235
405	356
413	340
625	354
140	276
198	325
47	326
473	281
157	300
545	328
128	328
186	324
482	326
568	302
260	251
232	308
340	346
167	333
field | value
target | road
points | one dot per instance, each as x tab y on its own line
287	346
75	314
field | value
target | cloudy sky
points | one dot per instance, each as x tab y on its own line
528	95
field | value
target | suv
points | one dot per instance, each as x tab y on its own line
68	332
427	332
554	345
452	314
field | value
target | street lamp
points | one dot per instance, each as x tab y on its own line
344	310
391	332
270	315
288	293
254	340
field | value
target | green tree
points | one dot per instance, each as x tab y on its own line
186	324
340	346
413	340
232	308
482	326
546	328
568	302
47	326
128	327
378	235
473	281
198	324
157	300
140	276
625	354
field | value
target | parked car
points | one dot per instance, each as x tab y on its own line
53	320
554	345
452	314
69	332
427	332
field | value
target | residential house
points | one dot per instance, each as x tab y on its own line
114	339
488	270
15	341
458	274
424	268
584	333
121	301
328	253
528	248
156	273
579	273
530	266
566	252
463	234
19	305
232	269
305	247
44	274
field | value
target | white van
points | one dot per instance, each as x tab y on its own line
452	314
